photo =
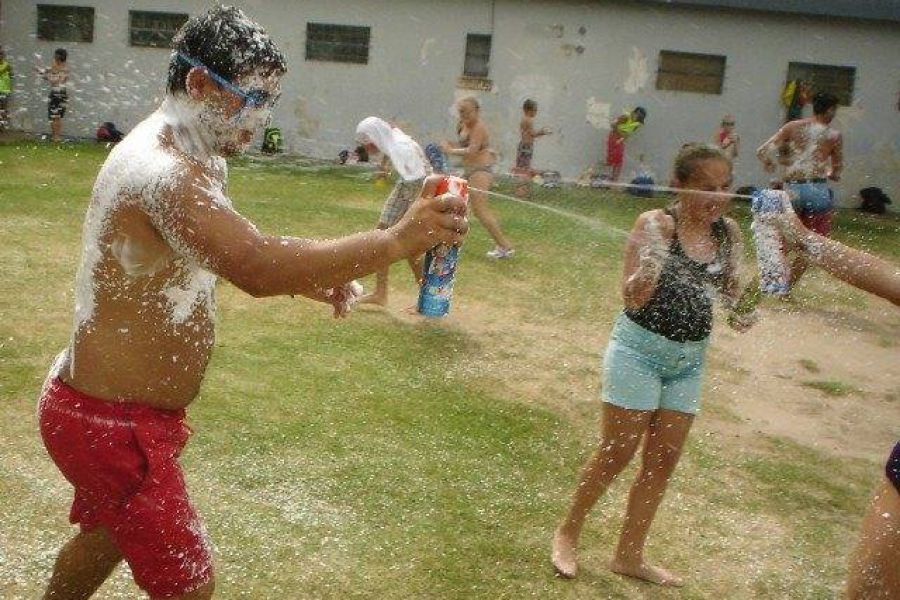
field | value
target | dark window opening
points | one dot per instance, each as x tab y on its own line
690	72
337	43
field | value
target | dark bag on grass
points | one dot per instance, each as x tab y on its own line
107	132
874	200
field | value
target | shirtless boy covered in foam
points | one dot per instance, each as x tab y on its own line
811	154
159	231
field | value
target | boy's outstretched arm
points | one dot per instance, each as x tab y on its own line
197	221
860	269
767	149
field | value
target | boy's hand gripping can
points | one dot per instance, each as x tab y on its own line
774	275
439	269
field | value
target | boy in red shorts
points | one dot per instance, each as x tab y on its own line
159	231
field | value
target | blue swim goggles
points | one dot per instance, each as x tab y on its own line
253	98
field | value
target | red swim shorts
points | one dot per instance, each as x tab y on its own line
122	459
818	222
615	149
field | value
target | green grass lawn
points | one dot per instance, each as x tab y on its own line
382	457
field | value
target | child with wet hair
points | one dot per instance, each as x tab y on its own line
57	75
408	159
160	230
677	260
527	135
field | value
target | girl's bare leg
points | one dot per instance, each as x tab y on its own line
875	565
666	435
621	434
479	203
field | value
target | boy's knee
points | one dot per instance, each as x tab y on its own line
204	592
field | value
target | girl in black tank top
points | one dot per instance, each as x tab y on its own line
653	368
681	306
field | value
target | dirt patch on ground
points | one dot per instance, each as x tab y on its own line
824	378
827	379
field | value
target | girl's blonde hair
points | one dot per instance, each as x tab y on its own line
471	101
693	154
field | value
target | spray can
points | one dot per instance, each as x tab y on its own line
439	269
746	304
766	207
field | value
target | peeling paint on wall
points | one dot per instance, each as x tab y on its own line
598	113
638	72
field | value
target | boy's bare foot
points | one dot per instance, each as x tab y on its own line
374	298
650	573
563	556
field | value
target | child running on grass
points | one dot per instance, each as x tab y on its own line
159	231
474	148
57	75
408	159
675	259
527	135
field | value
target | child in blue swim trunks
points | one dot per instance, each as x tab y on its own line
676	261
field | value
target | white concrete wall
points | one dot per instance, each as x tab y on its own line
417	52
621	46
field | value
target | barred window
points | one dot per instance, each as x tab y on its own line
478	55
690	72
337	43
58	23
153	29
826	78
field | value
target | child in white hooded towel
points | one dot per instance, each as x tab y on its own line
412	166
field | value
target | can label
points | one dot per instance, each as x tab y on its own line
774	274
439	269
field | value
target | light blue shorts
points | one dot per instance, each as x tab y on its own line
643	370
813	197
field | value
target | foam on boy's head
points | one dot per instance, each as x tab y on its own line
225	41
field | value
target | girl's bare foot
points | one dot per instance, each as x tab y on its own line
563	556
374	298
642	570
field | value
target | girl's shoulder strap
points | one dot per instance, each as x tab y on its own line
722	236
